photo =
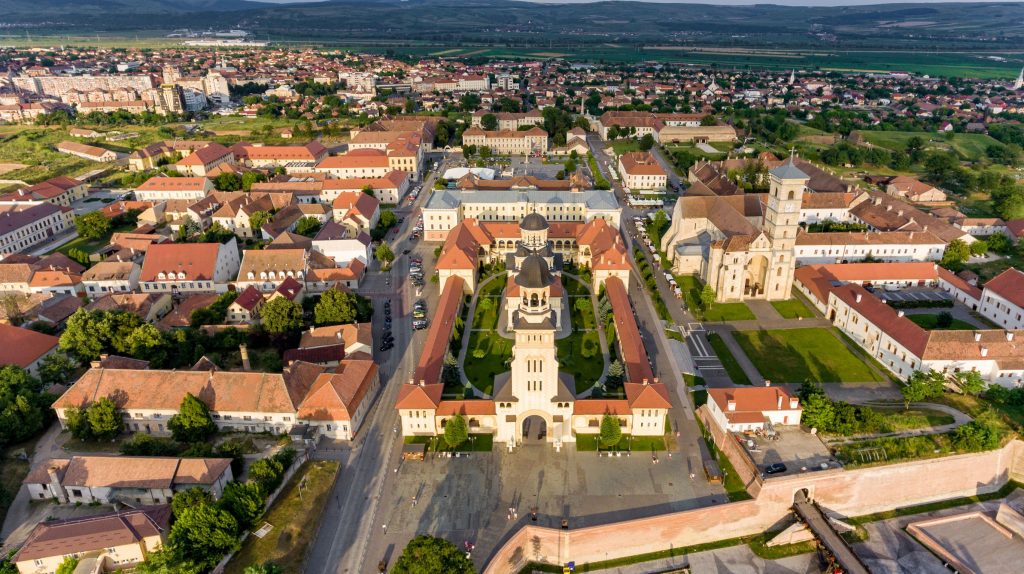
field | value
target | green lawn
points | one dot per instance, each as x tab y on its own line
691	286
91	245
482	442
496	350
792	308
732	367
588	443
968	146
699	397
625	145
930	322
796	355
287	545
580	355
487	310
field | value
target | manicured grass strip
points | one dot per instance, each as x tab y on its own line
796	355
792	309
729	312
638	444
292	515
493	350
734	487
931	322
579	354
732	366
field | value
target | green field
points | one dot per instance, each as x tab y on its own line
797	355
792	309
729	362
930	322
968	146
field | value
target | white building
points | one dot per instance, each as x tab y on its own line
189	267
26	224
743	409
1002	300
111	277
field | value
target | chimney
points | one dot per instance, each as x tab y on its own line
55	485
779	407
731	405
858	297
911	234
899	213
1009	335
900	313
984	351
977	336
244	350
646	382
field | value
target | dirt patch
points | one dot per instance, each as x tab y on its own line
820	140
549	54
231	132
9	167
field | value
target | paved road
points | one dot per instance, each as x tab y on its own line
348	523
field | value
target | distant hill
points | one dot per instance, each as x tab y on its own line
925	25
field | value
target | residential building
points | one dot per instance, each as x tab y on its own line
1002	300
202	161
91	153
266	269
269	156
105	542
745	409
62	191
180	268
25	348
356	209
342	243
507	142
26	225
640	171
912	189
163	188
111	277
388	189
130	480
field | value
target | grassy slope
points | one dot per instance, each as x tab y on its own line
795	355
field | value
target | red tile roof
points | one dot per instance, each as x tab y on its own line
634	356
1009	285
443	321
197	261
23	347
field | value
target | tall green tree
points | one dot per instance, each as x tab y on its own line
456	431
257	220
189	498
68	565
337	307
203	534
427	554
267	567
489	122
385	255
921	386
105	420
56	368
23	407
244	500
280	316
707	297
92	225
193	422
611	431
308	226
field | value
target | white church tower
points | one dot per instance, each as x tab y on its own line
1019	82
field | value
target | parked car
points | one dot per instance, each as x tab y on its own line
775	468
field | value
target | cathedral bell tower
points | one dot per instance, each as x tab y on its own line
782	220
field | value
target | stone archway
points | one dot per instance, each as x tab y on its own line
756	276
533	430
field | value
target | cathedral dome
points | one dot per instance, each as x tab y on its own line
533	222
534	273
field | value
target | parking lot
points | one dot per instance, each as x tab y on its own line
914	294
800	451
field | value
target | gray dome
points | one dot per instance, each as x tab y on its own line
534	273
533	222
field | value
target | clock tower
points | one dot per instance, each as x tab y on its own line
782	220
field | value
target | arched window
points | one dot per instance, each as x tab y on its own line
534	300
792	194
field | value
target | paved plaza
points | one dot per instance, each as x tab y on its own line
468	498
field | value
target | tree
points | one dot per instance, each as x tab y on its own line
227	181
164	561
970	382
611	432
280	315
337	307
56	368
105	420
922	386
819	411
203	534
267	473
193	422
489	122
455	431
707	297
244	501
944	320
257	220
979	247
368	190
646	142
957	252
427	554
251	177
190	498
388	219
384	254
308	226
77	423
708	120
68	565
92	225
616	372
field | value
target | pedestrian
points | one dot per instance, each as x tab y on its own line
692	476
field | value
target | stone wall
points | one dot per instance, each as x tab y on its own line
737	455
847	492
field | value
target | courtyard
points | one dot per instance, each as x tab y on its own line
798	355
800	451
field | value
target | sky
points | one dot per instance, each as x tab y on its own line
732	2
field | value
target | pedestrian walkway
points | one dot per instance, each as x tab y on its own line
725	333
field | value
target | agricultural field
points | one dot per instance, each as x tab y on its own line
970	147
